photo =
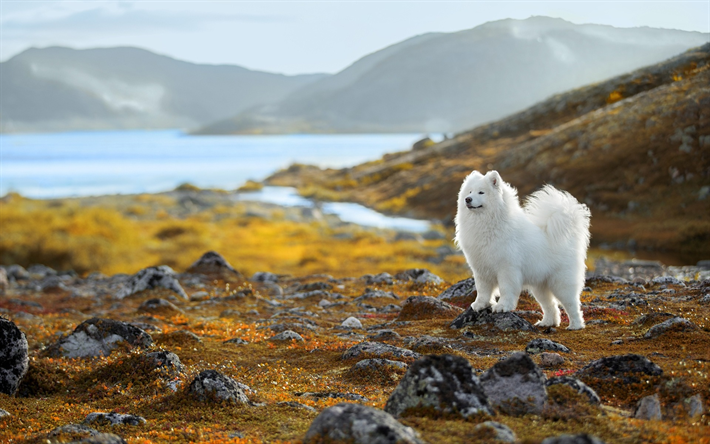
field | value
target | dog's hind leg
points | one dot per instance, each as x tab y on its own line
550	308
568	295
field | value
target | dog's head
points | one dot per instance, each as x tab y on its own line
479	191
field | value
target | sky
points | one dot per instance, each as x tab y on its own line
296	37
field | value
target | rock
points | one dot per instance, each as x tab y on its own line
17	273
507	321
624	368
313	286
375	294
419	275
287	335
72	430
13	356
358	424
541	344
264	276
382	278
114	419
693	406
377	349
98	337
4	413
210	384
577	385
333	395
433	235
199	296
38	271
297	405
652	319
167	361
379	364
548	360
238	341
667	280
4	283
352	322
426	307
676	324
149	278
573	439
159	306
648	408
515	386
385	335
438	385
497	431
102	438
298	327
52	284
463	292
213	264
270	289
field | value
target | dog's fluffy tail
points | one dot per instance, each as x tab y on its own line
560	216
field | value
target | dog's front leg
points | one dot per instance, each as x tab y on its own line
484	297
510	284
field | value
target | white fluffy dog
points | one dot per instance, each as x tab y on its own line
541	247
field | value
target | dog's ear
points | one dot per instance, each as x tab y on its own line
494	178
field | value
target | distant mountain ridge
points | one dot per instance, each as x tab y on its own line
57	89
447	82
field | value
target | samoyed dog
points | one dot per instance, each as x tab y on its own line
540	247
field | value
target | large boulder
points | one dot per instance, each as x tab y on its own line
98	337
212	385
507	321
426	307
152	277
438	385
213	264
358	424
13	356
515	386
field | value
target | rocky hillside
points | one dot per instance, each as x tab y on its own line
635	148
209	355
59	89
447	82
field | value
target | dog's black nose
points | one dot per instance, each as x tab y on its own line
468	200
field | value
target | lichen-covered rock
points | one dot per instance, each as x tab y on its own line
576	385
210	384
332	395
358	424
541	344
287	335
264	276
496	431
693	406
438	385
167	361
461	292
624	368
419	275
17	273
213	264
382	279
98	337
550	360
159	306
13	356
427	307
515	386
71	431
4	413
114	419
507	321
376	349
152	277
4	283
676	324
572	439
384	335
648	408
351	322
102	438
379	364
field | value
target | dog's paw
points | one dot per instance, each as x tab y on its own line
501	307
576	326
547	323
480	305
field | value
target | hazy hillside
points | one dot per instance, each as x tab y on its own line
61	89
449	82
635	148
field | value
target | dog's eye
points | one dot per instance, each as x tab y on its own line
480	192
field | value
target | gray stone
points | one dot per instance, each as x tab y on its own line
379	364
332	395
4	283
152	277
352	322
287	335
420	276
102	438
506	321
622	368
368	349
515	386
375	294
264	276
210	384
548	360
358	424
17	273
667	280
499	432
426	307
199	296
98	337
38	271
675	324
433	235
541	344
212	263
296	405
693	406
572	439
648	408
576	385
238	341
52	284
158	305
439	385
464	290
382	278
167	361
4	413
14	360
72	429
384	335
114	419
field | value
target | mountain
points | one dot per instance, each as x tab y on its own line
451	81
635	148
55	89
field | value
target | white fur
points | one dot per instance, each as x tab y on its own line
541	247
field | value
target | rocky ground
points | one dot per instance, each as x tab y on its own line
210	355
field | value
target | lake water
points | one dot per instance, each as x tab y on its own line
128	162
